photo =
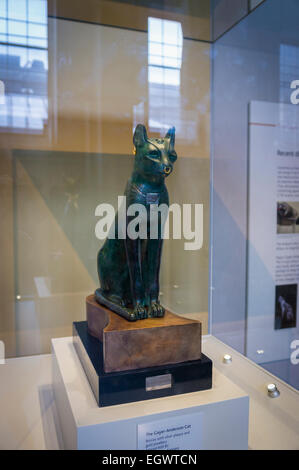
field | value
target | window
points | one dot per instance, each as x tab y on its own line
24	65
165	48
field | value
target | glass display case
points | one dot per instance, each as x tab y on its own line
76	78
255	169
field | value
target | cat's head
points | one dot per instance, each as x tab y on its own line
154	157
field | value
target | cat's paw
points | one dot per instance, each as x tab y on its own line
156	310
140	312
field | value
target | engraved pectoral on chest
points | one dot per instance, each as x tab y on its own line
152	198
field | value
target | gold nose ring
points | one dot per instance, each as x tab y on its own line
167	170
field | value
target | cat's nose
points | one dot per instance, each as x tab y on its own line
167	170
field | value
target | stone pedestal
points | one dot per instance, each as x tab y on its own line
145	343
224	410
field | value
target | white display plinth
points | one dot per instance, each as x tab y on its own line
223	410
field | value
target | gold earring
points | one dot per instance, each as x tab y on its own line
134	150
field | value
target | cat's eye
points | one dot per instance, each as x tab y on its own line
154	154
173	156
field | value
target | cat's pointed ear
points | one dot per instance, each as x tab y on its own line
140	136
171	135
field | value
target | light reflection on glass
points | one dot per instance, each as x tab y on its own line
24	65
289	69
165	48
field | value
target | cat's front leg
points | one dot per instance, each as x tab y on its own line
133	251
153	261
156	309
140	311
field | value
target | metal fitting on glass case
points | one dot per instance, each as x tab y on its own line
227	359
273	391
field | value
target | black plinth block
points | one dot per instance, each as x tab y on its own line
115	388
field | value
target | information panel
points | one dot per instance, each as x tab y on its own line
177	433
273	232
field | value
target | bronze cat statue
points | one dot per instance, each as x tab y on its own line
129	268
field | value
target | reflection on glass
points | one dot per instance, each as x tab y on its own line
165	43
165	48
289	69
24	65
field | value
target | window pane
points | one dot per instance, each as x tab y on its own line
37	30
3	50
3	24
19	52
155	60
171	32
155	29
172	77
37	11
155	75
171	62
170	51
14	39
164	76
17	27
17	9
38	55
3	8
155	48
37	42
